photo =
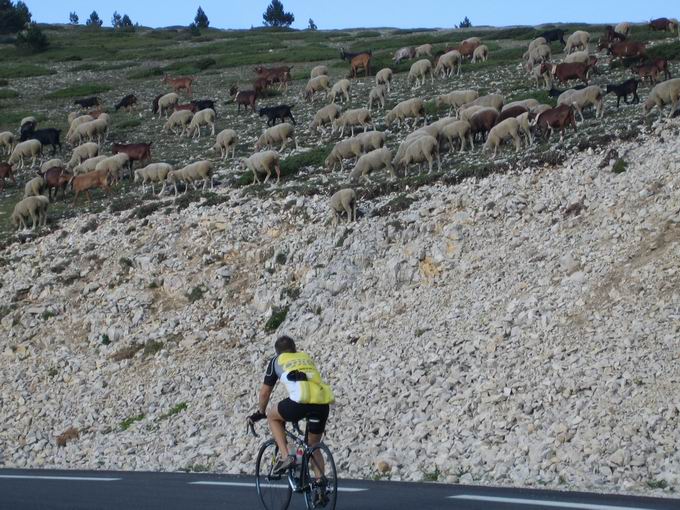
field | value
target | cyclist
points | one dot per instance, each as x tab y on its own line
307	395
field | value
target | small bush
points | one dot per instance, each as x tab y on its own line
4	83
127	422
48	314
152	347
125	262
278	316
196	294
105	339
619	166
397	204
205	63
657	484
32	40
669	51
128	123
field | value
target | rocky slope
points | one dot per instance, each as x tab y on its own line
516	330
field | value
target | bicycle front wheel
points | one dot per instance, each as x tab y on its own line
274	490
323	479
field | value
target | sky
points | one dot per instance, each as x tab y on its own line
332	14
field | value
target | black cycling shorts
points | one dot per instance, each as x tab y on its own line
293	411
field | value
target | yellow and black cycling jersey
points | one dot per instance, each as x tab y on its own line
300	377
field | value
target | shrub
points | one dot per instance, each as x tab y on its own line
276	319
32	40
152	347
465	23
619	166
196	294
126	352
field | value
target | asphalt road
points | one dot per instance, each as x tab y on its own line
110	490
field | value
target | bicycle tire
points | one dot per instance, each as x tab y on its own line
330	478
274	491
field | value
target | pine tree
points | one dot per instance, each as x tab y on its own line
13	18
24	13
126	22
275	16
312	25
465	23
73	18
94	21
115	19
201	20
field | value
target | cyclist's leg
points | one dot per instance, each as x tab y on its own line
318	465
277	427
316	431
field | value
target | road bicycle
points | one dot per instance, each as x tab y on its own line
313	474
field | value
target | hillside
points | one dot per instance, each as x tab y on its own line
507	322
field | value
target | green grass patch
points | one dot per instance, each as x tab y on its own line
152	347
669	51
127	123
23	71
657	484
619	166
276	319
84	67
79	91
196	294
145	72
10	119
127	422
8	94
182	406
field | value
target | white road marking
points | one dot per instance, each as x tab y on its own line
67	478
277	486
542	502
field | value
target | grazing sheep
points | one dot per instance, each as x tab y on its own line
226	139
314	85
341	87
578	39
167	103
179	118
318	71
480	53
345	201
263	163
384	77
371	140
154	172
51	163
34	187
490	100
458	129
406	53
525	103
350	148
470	111
423	49
33	207
539	41
82	152
89	130
202	118
88	165
411	108
423	149
7	141
29	148
351	118
508	128
113	166
280	133
75	122
456	99
578	56
28	120
198	171
6	171
580	99
538	55
377	94
667	92
447	63
525	124
623	28
325	115
375	160
419	71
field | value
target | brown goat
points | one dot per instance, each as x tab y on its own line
482	122
6	171
188	106
626	49
56	178
649	71
662	65
660	24
362	61
280	75
570	71
260	85
513	111
556	118
135	151
88	181
182	83
246	98
467	48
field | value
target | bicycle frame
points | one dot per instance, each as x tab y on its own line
300	484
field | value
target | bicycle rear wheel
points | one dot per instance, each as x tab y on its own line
323	479
274	490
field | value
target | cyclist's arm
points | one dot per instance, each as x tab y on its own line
263	400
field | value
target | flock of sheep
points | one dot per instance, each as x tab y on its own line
489	119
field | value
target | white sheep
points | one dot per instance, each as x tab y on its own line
314	85
384	77
225	140
77	121
51	163
179	118
375	160
458	129
405	53
424	49
578	39
508	128
29	148
340	88
318	71
34	207
491	100
480	53
152	173
351	148
7	141
83	152
525	123
580	99
352	118
582	57
34	187
345	201
419	71
410	108
377	94
529	104
468	112
263	163
455	99
371	140
280	133
539	41
205	117
542	72
325	115
448	63
113	165
190	174
28	120
88	165
401	150
97	128
666	92
423	149
623	28
538	55
166	103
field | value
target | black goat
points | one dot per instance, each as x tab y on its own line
344	55
127	102
202	104
281	111
557	34
87	102
553	92
47	136
623	89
